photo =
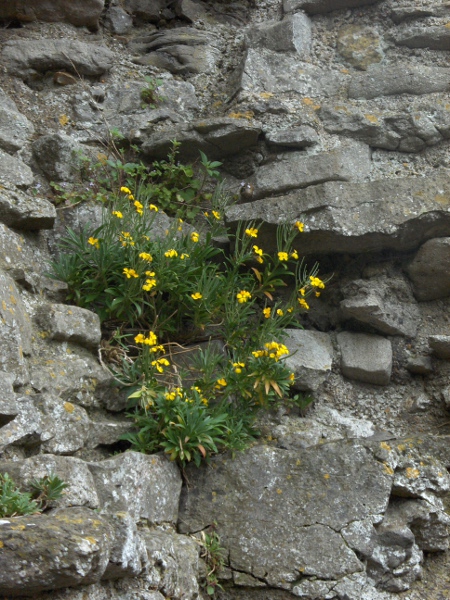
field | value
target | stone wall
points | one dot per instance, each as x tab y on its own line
335	112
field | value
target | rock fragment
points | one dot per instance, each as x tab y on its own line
365	357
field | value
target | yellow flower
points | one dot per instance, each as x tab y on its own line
267	311
300	226
125	190
259	254
151	340
290	309
302	291
206	213
153	207
221	383
171	253
146	256
160	363
283	256
317	294
139	207
280	312
259	353
149	284
117	214
316	282
243	296
303	303
216	215
294	254
292	378
238	366
194	236
196	296
94	242
184	255
139	339
276	350
129	273
251	232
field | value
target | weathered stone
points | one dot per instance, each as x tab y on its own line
173	563
359	587
323	6
8	404
266	484
68	548
294	170
145	10
66	425
264	71
421	365
148	487
107	431
292	33
446	397
76	12
360	46
70	323
73	471
15	128
402	13
365	357
297	137
191	10
397	214
20	211
435	38
117	20
419	476
182	51
440	344
14	171
216	137
430	270
27	429
380	80
28	58
128	554
386	305
58	156
311	357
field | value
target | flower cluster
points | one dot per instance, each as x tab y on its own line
273	350
243	296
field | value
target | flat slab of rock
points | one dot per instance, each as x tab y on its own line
365	357
294	170
9	408
397	214
429	271
311	357
435	38
14	171
27	58
15	128
440	344
291	34
69	548
380	80
323	6
70	323
77	12
20	211
296	137
267	503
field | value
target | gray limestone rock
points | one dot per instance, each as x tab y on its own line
117	20
73	471
182	51
68	548
293	33
27	429
145	10
128	555
29	58
15	128
14	171
365	357
173	563
77	12
435	38
420	476
311	357
397	214
191	10
323	6
420	365
65	424
107	431
58	156
296	137
294	170
263	71
216	137
385	304
148	487
292	492
440	344
360	46
9	408
70	323
429	271
20	211
412	11
381	80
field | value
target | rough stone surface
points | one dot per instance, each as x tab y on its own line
311	357
77	12
118	20
380	80
430	270
323	6
28	58
440	344
15	128
20	211
360	46
128	555
300	137
294	170
58	156
145	10
292	33
365	357
148	487
70	547
65	424
70	323
435	38
14	171
8	404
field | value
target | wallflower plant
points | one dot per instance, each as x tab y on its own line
156	288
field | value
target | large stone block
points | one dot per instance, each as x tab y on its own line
311	357
430	270
76	12
291	34
365	357
20	211
14	171
15	128
435	38
70	323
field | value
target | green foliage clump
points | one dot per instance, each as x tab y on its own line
158	290
150	95
43	491
214	556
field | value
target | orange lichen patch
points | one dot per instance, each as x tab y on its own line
266	95
18	527
412	473
248	114
385	446
63	120
401	447
69	407
326	476
1	544
298	462
345	71
279	491
447	25
217	103
442	198
310	102
91	540
371	118
387	469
